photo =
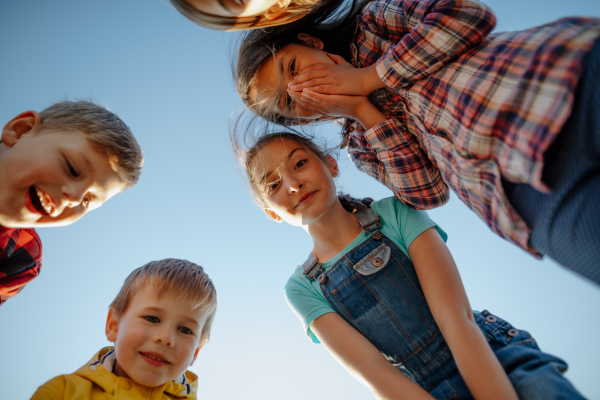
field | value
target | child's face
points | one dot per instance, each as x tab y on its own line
298	185
275	74
157	338
52	179
239	8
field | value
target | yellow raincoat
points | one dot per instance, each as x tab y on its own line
100	384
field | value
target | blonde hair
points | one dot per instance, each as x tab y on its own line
181	277
106	132
296	10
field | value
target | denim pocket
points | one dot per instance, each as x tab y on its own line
375	261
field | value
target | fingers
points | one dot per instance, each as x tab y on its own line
339	60
307	76
316	85
310	104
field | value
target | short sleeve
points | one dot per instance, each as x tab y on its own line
409	224
306	300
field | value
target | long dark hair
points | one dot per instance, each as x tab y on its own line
247	159
334	27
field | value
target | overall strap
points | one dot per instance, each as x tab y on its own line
369	223
312	267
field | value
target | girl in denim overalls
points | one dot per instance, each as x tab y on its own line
381	291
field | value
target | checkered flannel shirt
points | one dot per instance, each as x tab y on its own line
20	260
465	107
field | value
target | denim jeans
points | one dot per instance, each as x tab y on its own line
565	224
375	288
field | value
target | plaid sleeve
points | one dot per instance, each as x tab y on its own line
394	157
428	33
20	260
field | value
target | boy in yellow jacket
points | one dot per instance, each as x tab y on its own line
158	322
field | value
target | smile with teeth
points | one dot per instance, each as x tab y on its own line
45	202
155	358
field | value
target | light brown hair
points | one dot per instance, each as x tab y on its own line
296	10
183	278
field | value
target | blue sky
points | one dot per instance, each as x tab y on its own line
170	81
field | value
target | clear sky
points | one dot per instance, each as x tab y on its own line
170	81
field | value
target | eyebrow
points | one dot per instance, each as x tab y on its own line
264	177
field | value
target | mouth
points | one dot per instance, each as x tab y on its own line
305	198
40	201
154	359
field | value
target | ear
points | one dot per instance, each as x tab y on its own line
273	215
332	165
276	10
196	353
112	325
311	41
20	125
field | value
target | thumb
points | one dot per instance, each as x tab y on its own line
339	60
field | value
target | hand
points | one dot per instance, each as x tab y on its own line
338	78
330	105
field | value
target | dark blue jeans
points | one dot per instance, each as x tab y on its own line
565	224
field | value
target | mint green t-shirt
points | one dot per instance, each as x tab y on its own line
399	223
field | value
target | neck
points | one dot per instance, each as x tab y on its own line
333	232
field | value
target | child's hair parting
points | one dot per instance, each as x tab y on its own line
106	132
248	160
257	46
181	277
296	10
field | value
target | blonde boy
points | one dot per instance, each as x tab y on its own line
55	166
158	322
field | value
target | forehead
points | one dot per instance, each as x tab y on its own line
274	154
159	296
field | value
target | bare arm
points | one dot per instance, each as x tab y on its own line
362	359
450	307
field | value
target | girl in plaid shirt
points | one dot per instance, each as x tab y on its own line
433	102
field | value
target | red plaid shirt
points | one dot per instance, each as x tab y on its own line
465	107
20	260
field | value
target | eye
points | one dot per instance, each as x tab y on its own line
272	186
152	318
185	330
300	164
71	169
293	67
86	201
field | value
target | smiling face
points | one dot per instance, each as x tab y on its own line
298	186
238	8
52	178
274	75
157	338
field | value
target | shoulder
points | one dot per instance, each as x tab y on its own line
406	222
298	282
55	388
390	208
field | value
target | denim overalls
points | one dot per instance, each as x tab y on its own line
375	288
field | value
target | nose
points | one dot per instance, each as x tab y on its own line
164	335
73	195
294	185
